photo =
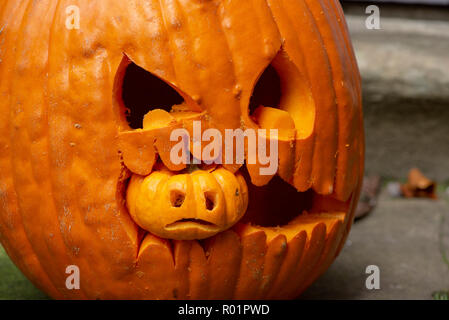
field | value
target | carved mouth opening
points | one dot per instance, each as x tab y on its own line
278	203
276	208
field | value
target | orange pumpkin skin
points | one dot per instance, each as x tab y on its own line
61	175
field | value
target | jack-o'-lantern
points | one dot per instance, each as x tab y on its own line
88	110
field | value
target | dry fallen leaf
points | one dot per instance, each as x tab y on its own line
418	186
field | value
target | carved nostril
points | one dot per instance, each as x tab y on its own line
210	199
177	198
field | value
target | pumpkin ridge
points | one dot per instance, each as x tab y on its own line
345	103
344	31
61	158
274	259
44	105
84	169
240	51
322	174
358	142
333	239
303	167
168	32
290	263
28	262
15	137
226	40
252	264
312	251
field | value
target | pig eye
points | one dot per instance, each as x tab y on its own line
142	92
267	91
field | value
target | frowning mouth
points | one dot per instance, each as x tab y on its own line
191	223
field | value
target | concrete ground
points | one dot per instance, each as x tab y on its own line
406	239
405	71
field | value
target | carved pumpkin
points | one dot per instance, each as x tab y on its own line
86	177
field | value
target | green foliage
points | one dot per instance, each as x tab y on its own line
440	295
13	284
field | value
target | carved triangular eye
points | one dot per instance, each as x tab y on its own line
282	99
142	92
267	91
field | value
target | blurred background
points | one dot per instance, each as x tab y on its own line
405	71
